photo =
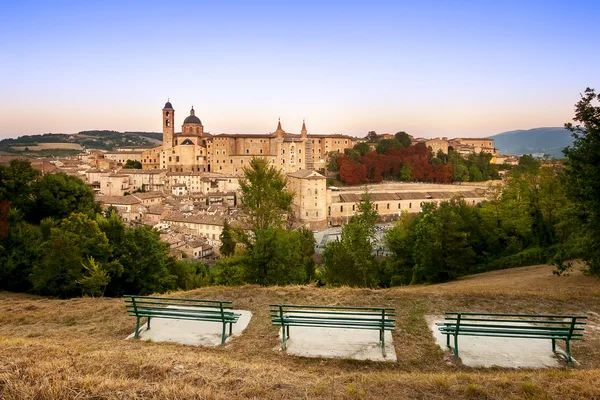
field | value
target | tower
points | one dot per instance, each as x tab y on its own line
303	132
168	123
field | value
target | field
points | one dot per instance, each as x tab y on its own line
46	146
63	349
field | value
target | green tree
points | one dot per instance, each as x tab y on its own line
19	252
131	164
582	178
385	144
96	278
265	199
332	161
405	172
58	195
17	184
63	255
363	148
403	138
228	242
350	261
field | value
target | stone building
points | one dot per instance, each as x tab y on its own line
194	150
310	198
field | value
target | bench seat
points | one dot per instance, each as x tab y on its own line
372	318
529	326
149	307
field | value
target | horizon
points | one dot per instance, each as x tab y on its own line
432	70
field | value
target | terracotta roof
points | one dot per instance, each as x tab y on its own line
120	200
196	219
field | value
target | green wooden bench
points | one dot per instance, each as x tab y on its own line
188	309
531	326
373	318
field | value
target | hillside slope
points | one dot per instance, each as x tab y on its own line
536	141
74	348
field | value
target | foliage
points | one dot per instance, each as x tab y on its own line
350	261
265	199
385	144
94	282
228	242
132	164
582	179
403	138
58	195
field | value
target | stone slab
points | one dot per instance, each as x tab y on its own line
481	351
194	333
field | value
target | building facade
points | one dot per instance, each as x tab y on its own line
194	150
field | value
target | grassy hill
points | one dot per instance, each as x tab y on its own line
59	349
538	141
102	140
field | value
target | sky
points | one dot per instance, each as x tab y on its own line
430	68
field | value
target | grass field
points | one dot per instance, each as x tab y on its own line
67	349
45	146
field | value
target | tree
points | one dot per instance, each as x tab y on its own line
405	172
582	178
131	164
363	148
228	242
385	144
64	254
332	161
17	184
372	136
265	199
58	195
403	138
350	261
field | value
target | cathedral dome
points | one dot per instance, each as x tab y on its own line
192	119
168	105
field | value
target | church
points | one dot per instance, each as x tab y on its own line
194	150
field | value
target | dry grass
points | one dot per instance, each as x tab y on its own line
62	349
45	146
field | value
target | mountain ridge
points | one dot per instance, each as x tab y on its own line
536	141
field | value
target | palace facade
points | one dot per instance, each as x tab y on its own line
194	150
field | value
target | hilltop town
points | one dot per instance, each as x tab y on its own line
188	186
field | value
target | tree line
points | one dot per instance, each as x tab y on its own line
55	241
398	159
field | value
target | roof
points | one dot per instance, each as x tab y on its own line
168	105
306	174
195	219
397	196
148	195
121	200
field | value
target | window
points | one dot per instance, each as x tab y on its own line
409	205
377	206
341	208
329	211
399	206
247	151
353	207
388	206
317	214
299	151
260	151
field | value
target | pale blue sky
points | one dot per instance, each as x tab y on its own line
431	68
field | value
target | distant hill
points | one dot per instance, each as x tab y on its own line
536	141
103	140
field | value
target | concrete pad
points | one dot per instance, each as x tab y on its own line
357	344
194	333
482	351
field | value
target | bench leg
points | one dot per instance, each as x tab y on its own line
283	336
223	334
137	328
554	345
568	348
288	331
455	349
230	328
382	337
448	340
148	327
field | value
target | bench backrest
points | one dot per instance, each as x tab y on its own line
143	305
568	326
334	316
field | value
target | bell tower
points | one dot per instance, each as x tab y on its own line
168	123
